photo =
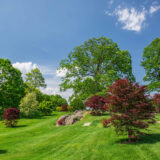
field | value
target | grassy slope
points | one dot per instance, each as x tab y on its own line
39	139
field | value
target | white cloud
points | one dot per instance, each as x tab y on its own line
51	75
25	67
154	9
131	19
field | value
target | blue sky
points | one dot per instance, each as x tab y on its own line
42	32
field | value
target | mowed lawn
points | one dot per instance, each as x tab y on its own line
40	139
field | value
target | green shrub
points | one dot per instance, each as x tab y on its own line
29	106
59	109
70	109
77	104
45	107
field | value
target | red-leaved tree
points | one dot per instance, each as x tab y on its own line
130	107
156	101
10	116
96	103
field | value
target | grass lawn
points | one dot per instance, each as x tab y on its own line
40	139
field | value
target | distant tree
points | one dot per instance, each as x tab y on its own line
45	107
34	79
93	66
151	64
29	105
130	107
11	86
77	103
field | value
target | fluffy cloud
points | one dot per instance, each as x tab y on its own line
51	75
154	8
25	67
131	18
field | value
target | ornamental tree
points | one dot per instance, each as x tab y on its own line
151	64
10	116
93	66
156	101
96	103
130	107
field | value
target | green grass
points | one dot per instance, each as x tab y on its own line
40	139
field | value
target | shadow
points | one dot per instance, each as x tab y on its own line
3	151
145	139
20	126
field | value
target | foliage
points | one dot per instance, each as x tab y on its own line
77	104
64	108
34	79
106	122
11	86
59	109
10	117
69	108
45	107
130	107
151	64
93	66
97	104
156	102
61	121
29	105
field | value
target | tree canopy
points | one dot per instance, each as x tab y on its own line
11	85
93	66
35	79
151	64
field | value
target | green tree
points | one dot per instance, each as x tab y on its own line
11	85
151	64
93	66
29	105
34	79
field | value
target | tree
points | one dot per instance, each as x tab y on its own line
29	105
45	107
130	107
151	64
156	102
97	104
11	86
77	103
93	66
34	79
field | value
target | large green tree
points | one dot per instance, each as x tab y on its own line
11	85
151	64
35	79
93	66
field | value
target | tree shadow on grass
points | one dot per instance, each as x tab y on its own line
145	139
3	151
19	126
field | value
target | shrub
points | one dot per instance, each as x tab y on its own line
59	109
97	104
70	108
105	122
61	121
10	117
156	102
64	108
45	107
29	105
77	104
130	107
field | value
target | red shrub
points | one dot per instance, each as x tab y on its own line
64	108
10	117
130	107
105	122
156	101
96	103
